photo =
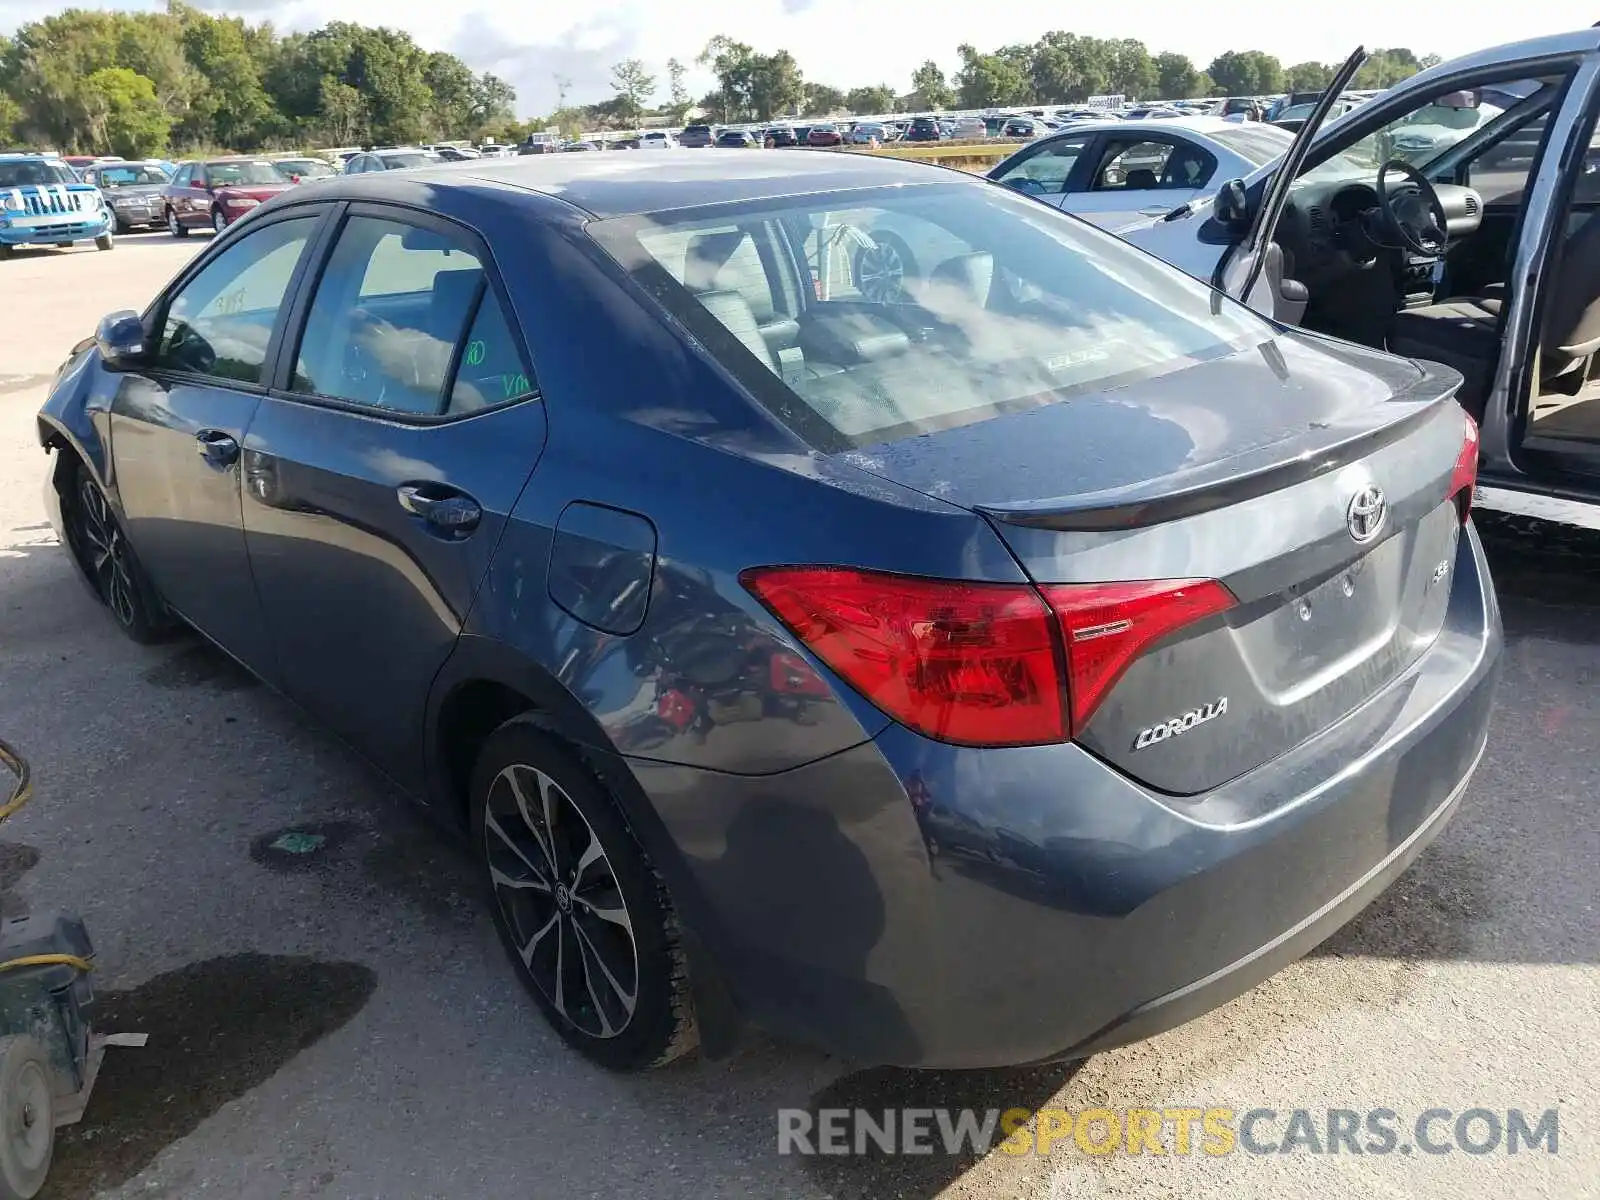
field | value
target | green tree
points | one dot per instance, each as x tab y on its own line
227	105
1385	68
869	100
494	104
677	93
988	79
1307	77
1246	73
820	100
452	112
929	88
776	86
633	85
1133	71
343	113
733	63
123	114
1176	78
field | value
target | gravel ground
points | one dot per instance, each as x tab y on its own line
341	1024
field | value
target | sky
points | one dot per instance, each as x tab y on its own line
847	43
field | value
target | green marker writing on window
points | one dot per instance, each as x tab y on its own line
514	383
475	353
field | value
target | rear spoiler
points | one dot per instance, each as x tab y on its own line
1232	481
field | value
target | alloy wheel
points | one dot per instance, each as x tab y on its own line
880	273
105	552
561	902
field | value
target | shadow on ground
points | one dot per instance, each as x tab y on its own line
217	1029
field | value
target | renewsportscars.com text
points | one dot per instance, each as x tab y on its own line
1168	1131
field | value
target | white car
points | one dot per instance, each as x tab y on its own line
1472	240
657	139
1118	173
969	127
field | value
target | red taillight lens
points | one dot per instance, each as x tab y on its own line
1106	626
973	663
1465	476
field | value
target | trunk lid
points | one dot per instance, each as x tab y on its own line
1242	470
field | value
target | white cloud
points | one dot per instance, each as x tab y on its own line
847	43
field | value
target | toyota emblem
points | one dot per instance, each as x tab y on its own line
1364	516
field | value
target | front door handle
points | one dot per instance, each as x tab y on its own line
1155	210
446	510
220	450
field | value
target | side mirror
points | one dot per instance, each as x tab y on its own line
1233	203
121	340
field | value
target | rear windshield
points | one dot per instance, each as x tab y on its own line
115	177
396	162
870	315
224	174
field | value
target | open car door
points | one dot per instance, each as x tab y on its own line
1253	271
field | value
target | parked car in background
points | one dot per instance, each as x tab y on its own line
780	137
1081	647
580	147
134	191
924	129
401	158
825	134
300	169
468	154
867	133
1118	173
1023	127
969	127
214	193
737	139
77	162
696	137
1291	100
1293	116
657	139
43	203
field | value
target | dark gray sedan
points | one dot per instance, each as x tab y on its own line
1006	664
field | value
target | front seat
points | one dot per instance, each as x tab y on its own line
1141	179
1464	332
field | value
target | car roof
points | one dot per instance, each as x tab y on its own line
615	185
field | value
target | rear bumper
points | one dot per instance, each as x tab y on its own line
914	903
57	231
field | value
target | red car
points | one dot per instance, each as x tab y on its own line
216	193
824	135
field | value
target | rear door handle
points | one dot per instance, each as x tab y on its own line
444	509
220	450
1155	210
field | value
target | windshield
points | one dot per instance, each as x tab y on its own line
396	162
115	177
303	167
32	174
1256	144
231	174
1011	305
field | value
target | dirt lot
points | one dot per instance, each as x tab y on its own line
341	1023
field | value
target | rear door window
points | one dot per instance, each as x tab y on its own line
403	320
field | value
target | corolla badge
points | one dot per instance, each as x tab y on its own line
1178	726
1365	514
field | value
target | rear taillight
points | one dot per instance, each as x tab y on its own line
980	664
1465	475
1107	626
973	663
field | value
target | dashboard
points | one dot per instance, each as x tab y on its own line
1333	228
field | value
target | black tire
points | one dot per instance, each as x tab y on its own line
174	226
105	242
63	245
123	226
219	221
6	250
105	556
598	867
27	1117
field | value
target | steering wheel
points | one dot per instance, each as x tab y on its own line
1414	212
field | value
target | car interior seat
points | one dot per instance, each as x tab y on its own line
1464	332
1141	179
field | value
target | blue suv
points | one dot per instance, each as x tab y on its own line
43	203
